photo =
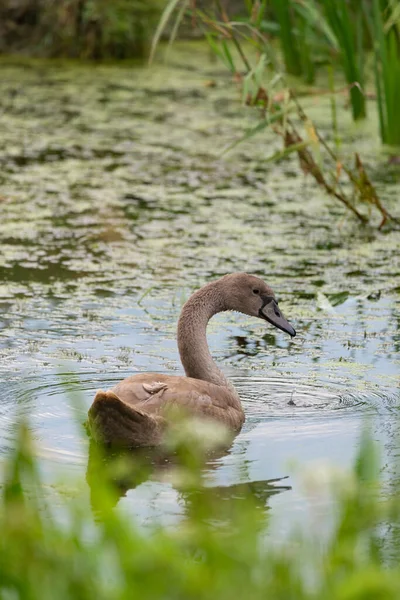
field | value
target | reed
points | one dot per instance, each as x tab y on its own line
346	31
278	103
385	33
284	14
306	49
344	22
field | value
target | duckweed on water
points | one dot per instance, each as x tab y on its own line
250	58
131	207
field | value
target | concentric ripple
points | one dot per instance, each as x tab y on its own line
131	207
56	405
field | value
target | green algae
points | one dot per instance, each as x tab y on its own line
116	203
120	170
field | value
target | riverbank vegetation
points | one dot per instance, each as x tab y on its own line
60	548
246	50
89	29
346	35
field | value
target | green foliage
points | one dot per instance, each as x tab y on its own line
347	27
220	549
283	12
346	30
385	33
81	28
311	33
314	32
248	54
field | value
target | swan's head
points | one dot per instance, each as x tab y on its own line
252	296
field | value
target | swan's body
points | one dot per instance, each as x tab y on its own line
136	411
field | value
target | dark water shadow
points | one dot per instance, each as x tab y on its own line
124	470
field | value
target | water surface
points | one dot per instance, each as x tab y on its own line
116	204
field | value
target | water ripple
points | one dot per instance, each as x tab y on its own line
56	405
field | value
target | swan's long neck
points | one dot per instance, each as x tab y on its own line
192	340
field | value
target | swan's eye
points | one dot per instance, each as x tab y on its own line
256	291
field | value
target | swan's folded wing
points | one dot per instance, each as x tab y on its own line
157	394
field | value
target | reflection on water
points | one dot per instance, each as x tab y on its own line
286	420
130	209
127	470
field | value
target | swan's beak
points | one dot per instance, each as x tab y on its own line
271	313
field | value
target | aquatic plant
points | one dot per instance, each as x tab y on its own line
339	27
279	108
346	31
283	10
315	32
346	23
385	31
63	548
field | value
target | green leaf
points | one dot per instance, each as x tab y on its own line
165	17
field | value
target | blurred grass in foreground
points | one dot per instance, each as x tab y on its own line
221	549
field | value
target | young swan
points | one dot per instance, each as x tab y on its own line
135	411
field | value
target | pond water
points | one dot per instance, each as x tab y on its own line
116	204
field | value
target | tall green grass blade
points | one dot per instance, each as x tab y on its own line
249	5
341	22
374	23
331	80
211	40
307	63
394	17
311	11
178	21
393	93
387	70
253	81
276	116
382	61
165	17
277	156
228	56
360	42
261	13
283	12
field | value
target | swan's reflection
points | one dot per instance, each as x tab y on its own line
118	471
